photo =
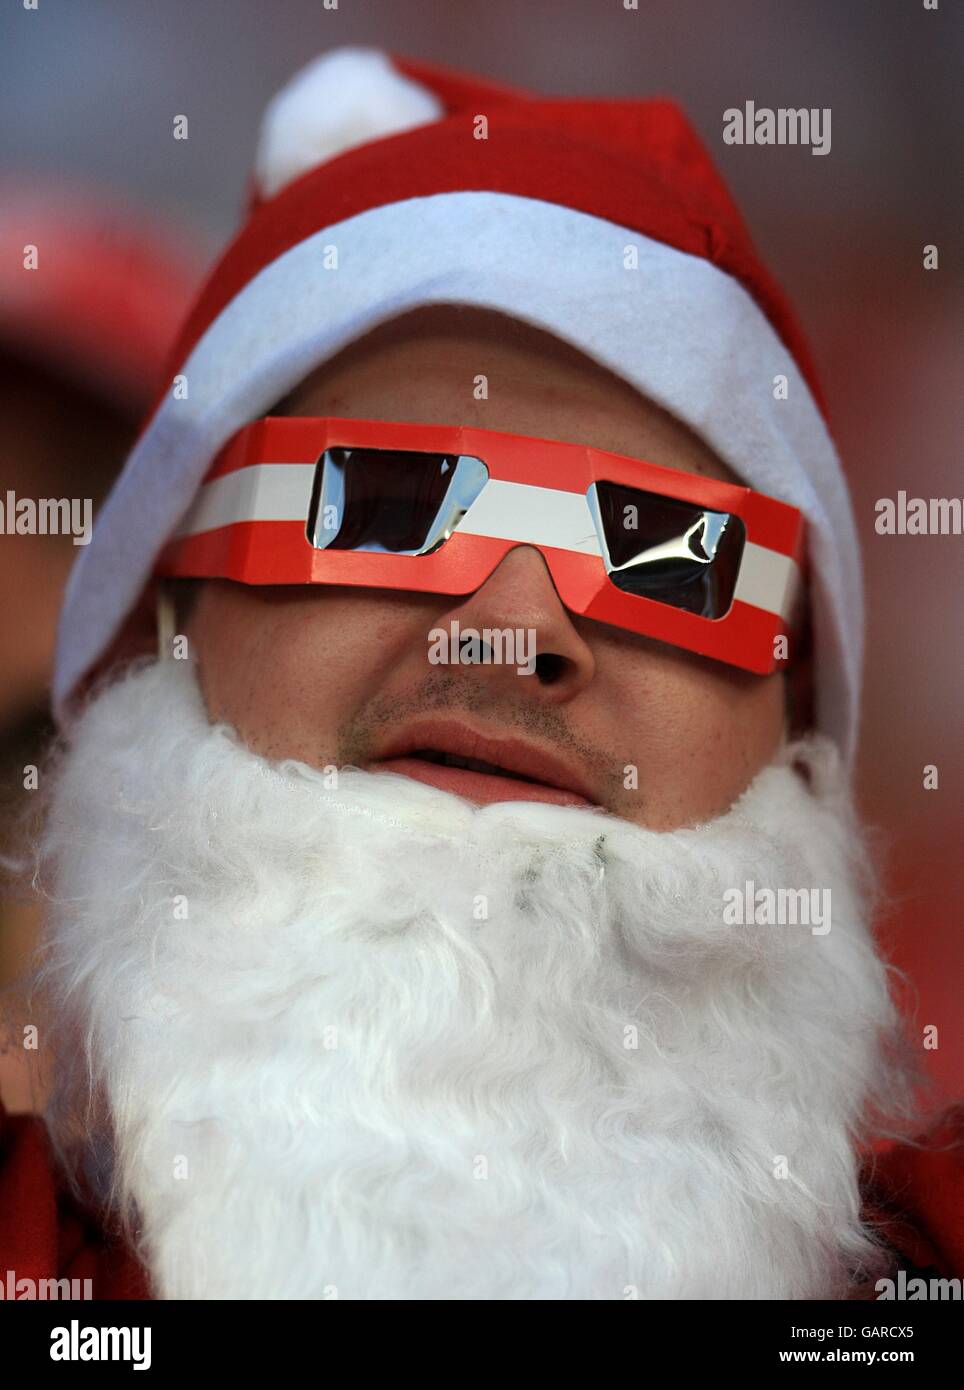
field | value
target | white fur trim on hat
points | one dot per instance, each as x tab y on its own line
342	99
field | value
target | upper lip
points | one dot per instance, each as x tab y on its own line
515	755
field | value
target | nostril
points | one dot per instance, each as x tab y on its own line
549	667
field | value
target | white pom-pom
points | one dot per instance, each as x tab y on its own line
342	99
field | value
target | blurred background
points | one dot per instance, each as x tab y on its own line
89	90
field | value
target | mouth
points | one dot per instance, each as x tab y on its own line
511	771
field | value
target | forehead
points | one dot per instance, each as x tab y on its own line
459	365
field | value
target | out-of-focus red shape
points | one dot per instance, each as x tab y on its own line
109	292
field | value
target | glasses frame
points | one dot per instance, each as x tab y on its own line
249	523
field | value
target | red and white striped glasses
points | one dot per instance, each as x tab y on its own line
705	565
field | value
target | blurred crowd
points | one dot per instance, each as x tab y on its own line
91	292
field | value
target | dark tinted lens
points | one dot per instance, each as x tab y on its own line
379	499
671	551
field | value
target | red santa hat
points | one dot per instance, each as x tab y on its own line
602	222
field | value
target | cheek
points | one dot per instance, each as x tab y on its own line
699	734
287	674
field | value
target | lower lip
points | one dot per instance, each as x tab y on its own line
483	788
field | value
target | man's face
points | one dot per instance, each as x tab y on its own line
335	675
361	1035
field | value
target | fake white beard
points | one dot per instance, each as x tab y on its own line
375	1042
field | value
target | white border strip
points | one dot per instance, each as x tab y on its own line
260	492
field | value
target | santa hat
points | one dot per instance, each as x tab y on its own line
439	187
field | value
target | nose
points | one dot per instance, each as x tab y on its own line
520	597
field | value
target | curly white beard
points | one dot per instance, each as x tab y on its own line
374	1042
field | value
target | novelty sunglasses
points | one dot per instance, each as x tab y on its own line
705	565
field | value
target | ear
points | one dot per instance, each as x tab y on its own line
184	595
136	638
799	681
